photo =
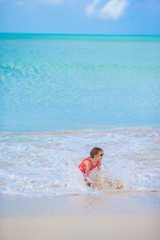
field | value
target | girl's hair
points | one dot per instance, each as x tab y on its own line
95	151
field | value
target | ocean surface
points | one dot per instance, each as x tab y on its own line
61	95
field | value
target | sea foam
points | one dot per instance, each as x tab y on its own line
46	164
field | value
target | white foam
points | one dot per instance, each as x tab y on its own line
45	164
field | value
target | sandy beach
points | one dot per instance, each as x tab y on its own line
107	216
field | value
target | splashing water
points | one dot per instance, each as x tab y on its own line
46	164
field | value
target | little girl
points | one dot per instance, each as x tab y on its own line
92	162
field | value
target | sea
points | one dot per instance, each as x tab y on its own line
62	95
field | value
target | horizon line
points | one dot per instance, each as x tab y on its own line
80	34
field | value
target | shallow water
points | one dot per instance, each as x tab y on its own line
45	164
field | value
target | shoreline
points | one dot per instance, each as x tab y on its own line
113	216
121	202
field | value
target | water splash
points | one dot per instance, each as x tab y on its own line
46	164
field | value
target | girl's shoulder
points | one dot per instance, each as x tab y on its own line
88	160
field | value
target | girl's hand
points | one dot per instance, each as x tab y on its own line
88	181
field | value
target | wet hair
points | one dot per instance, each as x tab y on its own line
95	151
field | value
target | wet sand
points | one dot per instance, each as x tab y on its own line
112	216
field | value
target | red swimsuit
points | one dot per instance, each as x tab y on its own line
82	166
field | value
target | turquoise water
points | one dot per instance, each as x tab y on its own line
70	82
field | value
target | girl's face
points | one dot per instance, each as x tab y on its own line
99	156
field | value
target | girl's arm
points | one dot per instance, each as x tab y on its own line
99	166
88	167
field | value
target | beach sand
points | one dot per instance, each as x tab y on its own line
111	216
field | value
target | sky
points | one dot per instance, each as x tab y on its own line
124	17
